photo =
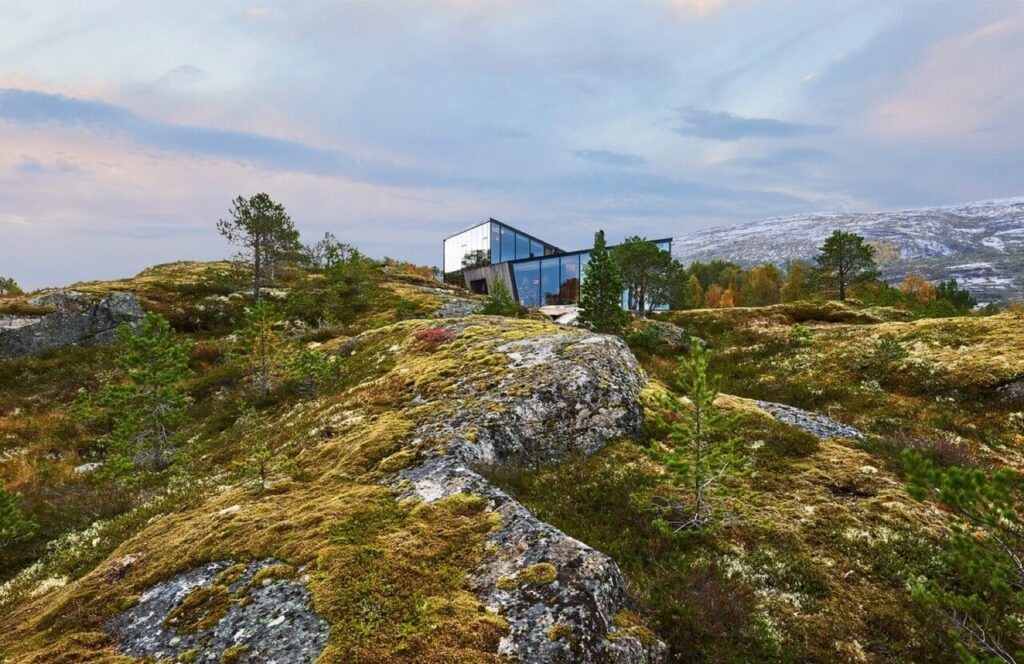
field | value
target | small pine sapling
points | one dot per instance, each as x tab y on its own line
263	455
499	301
262	348
14	525
142	399
705	456
312	370
982	605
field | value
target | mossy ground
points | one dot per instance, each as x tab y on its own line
389	576
815	569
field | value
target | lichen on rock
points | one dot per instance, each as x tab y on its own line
562	393
224	612
72	318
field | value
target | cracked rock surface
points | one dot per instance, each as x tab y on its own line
78	319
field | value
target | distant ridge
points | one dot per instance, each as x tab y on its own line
980	244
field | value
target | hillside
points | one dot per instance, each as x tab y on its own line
473	488
980	244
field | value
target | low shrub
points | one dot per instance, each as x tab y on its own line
434	336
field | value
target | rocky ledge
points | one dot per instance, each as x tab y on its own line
225	612
69	318
814	424
563	394
518	392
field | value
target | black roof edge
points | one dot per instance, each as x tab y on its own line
580	251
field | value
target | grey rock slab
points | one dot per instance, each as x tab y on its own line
456	308
79	319
574	392
814	424
276	623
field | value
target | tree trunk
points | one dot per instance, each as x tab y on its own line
257	267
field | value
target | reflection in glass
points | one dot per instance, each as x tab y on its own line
569	288
495	243
508	244
522	246
549	281
536	249
527	277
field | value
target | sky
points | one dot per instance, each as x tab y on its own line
126	128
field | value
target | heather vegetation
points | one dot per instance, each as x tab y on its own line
258	411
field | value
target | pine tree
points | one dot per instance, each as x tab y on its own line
264	456
265	233
499	301
14	526
262	346
705	455
846	260
601	292
982	604
312	370
143	397
647	272
9	286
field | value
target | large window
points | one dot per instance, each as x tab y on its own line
549	281
527	276
470	247
495	243
522	246
536	249
508	245
569	288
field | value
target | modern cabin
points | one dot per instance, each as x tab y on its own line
538	274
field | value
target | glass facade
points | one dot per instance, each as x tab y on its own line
542	275
489	243
527	278
468	248
558	279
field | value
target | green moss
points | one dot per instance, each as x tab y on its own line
397	461
230	576
189	657
629	624
201	609
234	654
560	632
538	575
25	309
272	573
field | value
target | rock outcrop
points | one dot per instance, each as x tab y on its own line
73	318
814	424
225	612
446	403
562	394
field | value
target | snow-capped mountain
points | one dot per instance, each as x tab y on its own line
980	244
